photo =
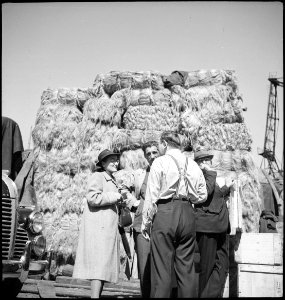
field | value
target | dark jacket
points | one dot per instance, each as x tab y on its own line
12	147
212	216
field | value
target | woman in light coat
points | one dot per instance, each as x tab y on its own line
98	253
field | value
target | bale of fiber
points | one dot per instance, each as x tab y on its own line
66	96
133	160
223	137
103	111
63	160
56	126
154	117
116	80
196	95
210	77
133	97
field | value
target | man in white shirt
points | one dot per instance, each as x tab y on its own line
174	185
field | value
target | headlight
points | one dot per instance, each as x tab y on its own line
36	222
39	245
23	215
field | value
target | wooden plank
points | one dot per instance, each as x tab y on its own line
76	291
46	289
260	281
260	268
74	281
28	295
260	248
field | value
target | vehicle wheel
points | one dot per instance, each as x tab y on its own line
12	286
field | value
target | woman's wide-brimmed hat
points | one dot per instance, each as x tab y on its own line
202	154
102	155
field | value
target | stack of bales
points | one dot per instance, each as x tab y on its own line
213	120
145	109
120	112
68	135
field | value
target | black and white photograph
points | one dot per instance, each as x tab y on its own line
142	149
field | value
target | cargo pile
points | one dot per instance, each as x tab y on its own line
121	111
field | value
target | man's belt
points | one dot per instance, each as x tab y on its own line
164	201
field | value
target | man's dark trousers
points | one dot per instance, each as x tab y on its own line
173	240
214	263
143	255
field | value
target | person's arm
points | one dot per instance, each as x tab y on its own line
96	196
210	178
151	197
196	184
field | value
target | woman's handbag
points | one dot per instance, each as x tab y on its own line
125	218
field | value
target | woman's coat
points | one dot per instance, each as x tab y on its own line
98	253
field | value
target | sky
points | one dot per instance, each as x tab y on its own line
55	45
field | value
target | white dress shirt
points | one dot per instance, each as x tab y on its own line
163	179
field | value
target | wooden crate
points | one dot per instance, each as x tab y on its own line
260	280
260	248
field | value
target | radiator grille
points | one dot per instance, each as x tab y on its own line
20	242
8	225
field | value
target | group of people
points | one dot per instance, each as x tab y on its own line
180	210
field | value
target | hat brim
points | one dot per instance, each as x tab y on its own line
204	156
99	163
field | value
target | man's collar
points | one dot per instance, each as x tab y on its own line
170	151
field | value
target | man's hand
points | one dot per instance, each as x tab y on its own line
145	229
230	183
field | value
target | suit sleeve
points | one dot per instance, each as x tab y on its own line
210	178
96	196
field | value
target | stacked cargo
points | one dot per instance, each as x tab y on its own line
122	111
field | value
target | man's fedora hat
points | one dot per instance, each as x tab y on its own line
202	154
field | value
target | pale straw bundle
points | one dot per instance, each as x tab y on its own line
102	110
223	137
51	226
70	96
237	160
64	160
151	118
133	160
49	188
178	98
93	140
197	94
75	195
251	202
92	133
119	98
49	96
151	135
136	97
65	96
209	77
136	137
162	96
190	121
116	80
121	139
56	126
